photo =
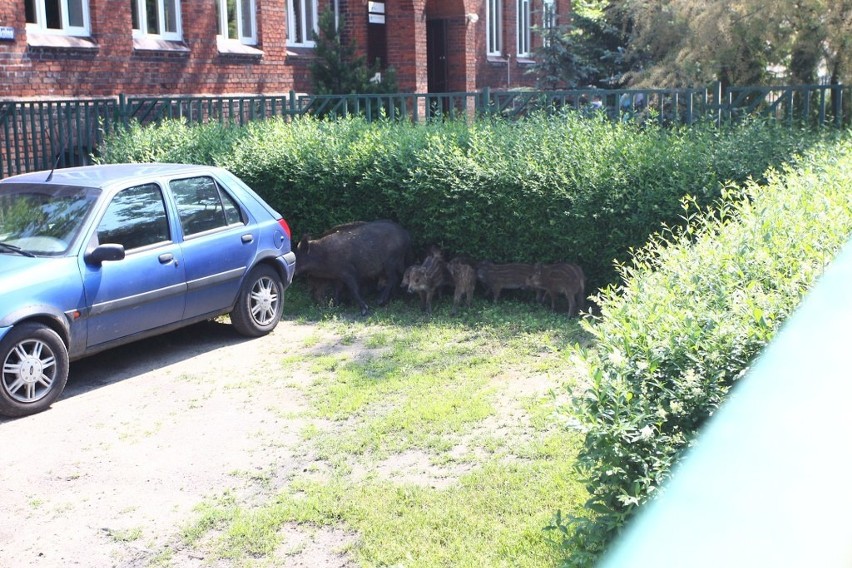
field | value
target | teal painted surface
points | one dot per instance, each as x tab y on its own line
768	484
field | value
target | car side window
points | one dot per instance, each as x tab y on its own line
202	205
136	217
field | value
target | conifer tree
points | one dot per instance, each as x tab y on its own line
337	69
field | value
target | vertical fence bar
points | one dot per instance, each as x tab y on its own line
76	158
45	135
837	91
806	107
690	101
790	103
16	137
6	113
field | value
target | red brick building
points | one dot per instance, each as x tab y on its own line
92	48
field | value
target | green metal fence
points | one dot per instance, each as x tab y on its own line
40	134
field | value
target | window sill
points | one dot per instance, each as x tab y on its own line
497	60
525	60
41	40
300	51
235	48
157	45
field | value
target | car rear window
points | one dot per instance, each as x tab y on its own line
203	206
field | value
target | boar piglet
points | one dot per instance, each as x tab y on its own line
354	253
428	279
463	273
561	278
499	277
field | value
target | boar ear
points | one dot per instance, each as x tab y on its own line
303	243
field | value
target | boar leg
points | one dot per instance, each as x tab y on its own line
572	305
352	285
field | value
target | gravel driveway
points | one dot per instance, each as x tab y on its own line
141	435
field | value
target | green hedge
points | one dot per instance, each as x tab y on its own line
545	188
694	309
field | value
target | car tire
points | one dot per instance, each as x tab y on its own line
260	302
33	369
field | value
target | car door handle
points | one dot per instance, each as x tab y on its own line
166	258
247	238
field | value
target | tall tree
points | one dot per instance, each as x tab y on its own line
586	47
685	42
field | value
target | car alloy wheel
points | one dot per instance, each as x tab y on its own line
260	302
35	369
263	302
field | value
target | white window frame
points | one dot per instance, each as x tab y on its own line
294	26
40	24
142	18
524	36
241	20
494	27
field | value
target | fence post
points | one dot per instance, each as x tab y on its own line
292	103
123	119
718	96
837	102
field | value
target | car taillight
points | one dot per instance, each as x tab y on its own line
284	226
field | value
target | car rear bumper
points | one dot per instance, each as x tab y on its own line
287	266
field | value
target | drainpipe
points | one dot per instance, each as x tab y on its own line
508	71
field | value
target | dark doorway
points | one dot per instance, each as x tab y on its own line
377	35
436	56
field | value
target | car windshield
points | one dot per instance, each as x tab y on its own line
42	219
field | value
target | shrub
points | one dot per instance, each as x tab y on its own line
547	188
695	307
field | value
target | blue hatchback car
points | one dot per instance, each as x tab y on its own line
99	256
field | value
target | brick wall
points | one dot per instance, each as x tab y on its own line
109	63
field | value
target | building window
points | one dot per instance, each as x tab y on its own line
68	17
548	22
494	25
156	18
237	20
301	22
523	28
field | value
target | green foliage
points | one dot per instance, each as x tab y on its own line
171	141
336	69
543	189
695	307
586	48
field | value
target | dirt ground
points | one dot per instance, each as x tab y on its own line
141	435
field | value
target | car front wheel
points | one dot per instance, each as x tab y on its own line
260	303
35	369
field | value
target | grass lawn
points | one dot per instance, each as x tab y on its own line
432	441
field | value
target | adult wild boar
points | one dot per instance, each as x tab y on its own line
357	252
560	278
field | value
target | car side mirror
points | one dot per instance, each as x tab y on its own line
101	253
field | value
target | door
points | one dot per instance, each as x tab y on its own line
377	35
146	289
436	56
219	245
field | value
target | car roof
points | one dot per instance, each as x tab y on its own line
107	175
